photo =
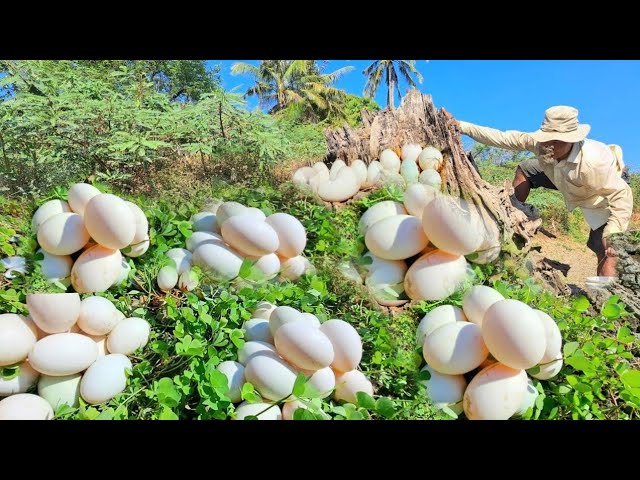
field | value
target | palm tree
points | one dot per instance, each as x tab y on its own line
281	83
378	68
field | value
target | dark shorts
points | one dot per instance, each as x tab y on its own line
538	179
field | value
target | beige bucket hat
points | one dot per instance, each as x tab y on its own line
561	123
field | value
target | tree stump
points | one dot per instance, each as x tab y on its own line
510	223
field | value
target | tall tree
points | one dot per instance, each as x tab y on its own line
389	69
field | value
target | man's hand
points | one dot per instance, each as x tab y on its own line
609	251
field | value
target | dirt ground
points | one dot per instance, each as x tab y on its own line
582	262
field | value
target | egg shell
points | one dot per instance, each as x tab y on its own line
343	187
495	393
455	348
98	316
257	329
282	315
234	372
181	258
550	369
167	278
128	336
255	347
264	411
477	301
291	234
348	384
228	210
200	238
96	270
389	160
17	339
360	169
250	235
381	271
58	391
304	346
263	310
136	250
289	409
311	319
110	221
437	317
529	399
553	337
273	377
63	354
435	276
293	268
79	195
63	234
410	151
417	196
219	262
25	406
141	222
379	211
105	379
514	334
445	390
430	158
373	174
431	178
323	380
347	344
54	312
27	378
205	222
47	210
269	265
55	267
396	238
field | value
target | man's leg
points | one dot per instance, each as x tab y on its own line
521	185
607	265
530	175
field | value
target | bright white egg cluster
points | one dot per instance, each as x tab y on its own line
502	339
71	348
414	165
227	233
282	342
100	226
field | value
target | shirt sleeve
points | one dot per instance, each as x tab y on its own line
621	208
509	140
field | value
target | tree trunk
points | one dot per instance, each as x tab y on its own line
416	120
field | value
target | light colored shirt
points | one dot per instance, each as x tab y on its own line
589	178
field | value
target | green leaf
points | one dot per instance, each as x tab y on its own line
377	358
167	414
625	335
168	395
446	409
580	363
424	376
631	378
533	370
299	384
355	416
581	304
245	268
611	311
9	373
569	348
385	407
365	400
250	394
563	389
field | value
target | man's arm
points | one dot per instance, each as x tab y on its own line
621	208
509	140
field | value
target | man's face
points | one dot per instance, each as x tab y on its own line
557	149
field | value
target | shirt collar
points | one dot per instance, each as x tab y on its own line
575	152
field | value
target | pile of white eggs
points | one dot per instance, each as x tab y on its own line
70	349
282	342
341	182
418	249
502	339
97	226
227	233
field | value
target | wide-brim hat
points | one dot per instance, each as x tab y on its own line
561	123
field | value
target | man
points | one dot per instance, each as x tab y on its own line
588	173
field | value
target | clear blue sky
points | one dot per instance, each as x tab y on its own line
513	94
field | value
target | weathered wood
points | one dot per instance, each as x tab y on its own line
418	121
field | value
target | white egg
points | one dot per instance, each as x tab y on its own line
430	178
323	380
495	393
228	210
445	390
57	391
256	213
264	411
54	312
272	377
347	344
195	240
234	372
514	334
63	234
124	272
293	268
304	346
263	310
379	211
79	195
105	379
389	160
381	271
553	337
141	222
27	378
16	339
96	270
56	267
181	257
311	319
188	281
455	348
550	369
25	406
257	329
219	262
437	317
250	236
360	169
136	250
430	158
129	335
63	354
348	384
374	171
101	342
410	151
345	186
396	238
477	301
289	409
48	210
417	196
282	315
110	221
529	399
435	276
167	278
255	347
205	222
291	234
98	316
409	171
269	265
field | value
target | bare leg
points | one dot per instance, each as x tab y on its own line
521	185
607	266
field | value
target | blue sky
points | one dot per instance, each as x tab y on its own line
513	94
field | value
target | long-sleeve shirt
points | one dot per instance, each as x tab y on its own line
589	178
